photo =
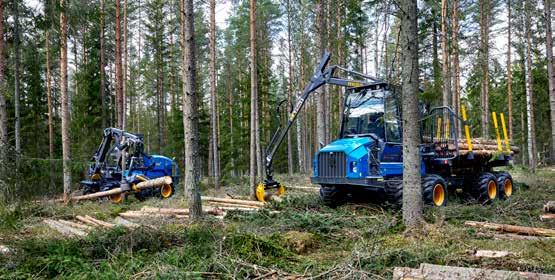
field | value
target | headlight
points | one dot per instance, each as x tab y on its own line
354	167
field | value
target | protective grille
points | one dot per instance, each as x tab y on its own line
332	165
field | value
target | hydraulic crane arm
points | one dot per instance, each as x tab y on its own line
112	135
323	75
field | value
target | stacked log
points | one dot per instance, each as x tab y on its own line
232	204
79	228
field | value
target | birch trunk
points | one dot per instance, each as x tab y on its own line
550	72
529	93
484	49
320	101
65	110
213	100
412	190
49	99
190	107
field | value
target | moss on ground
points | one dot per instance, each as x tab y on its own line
365	240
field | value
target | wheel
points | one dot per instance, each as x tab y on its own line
504	184
485	187
394	192
117	198
166	191
434	190
332	195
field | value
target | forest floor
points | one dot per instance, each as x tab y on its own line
305	238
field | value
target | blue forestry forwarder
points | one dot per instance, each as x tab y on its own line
368	153
120	161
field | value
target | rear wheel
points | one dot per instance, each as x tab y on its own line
117	198
485	187
332	195
504	184
434	190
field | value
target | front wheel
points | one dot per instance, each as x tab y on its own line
332	195
434	190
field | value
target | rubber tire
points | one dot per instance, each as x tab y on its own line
332	196
428	184
501	177
171	194
480	187
394	192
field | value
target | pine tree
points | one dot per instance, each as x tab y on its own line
190	109
65	108
254	133
3	91
412	190
550	72
119	74
17	80
509	71
213	99
484	62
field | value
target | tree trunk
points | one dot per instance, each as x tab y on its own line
509	71
456	66
16	78
550	72
435	58
102	67
530	92
412	190
254	100
289	89
446	90
124	75
213	99
484	59
3	92
119	74
65	110
190	110
49	99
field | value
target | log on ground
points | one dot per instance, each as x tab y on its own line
437	272
233	201
512	228
64	229
549	207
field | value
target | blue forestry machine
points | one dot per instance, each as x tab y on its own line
120	161
368	154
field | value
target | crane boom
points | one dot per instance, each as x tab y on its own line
322	76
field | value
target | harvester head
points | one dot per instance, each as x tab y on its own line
264	191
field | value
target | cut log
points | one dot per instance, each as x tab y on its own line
76	225
5	250
490	253
139	214
233	201
512	228
512	236
213	203
158	182
237	208
179	211
99	222
546	217
125	223
309	189
549	207
64	229
437	272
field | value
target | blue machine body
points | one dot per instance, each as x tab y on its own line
158	166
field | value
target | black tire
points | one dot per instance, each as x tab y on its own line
505	187
485	187
434	190
394	192
332	195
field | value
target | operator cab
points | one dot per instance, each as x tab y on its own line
372	112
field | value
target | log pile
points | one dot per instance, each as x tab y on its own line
433	272
480	146
545	232
79	228
232	204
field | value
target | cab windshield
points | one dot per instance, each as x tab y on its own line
372	113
